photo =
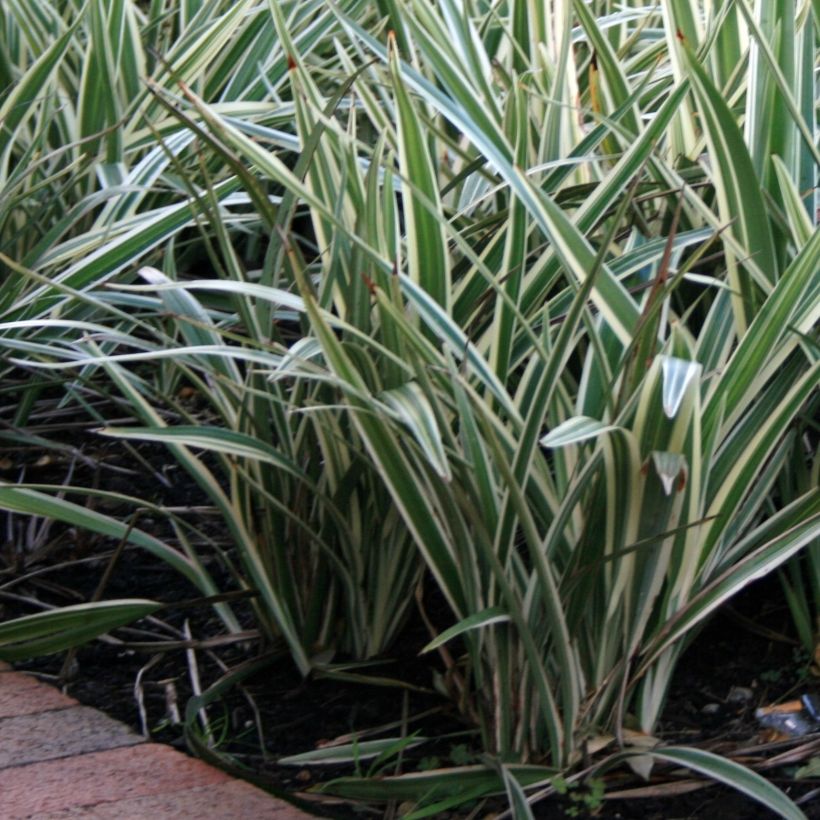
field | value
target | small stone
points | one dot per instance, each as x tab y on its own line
740	695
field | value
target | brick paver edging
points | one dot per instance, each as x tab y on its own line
60	759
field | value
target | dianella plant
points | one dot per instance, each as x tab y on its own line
535	311
602	346
97	177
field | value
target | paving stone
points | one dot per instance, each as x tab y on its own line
62	760
23	695
226	801
60	733
101	777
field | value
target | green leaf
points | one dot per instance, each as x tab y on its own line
21	102
48	632
733	775
811	769
428	259
677	376
351	752
475	780
32	502
415	410
215	439
740	200
493	615
576	430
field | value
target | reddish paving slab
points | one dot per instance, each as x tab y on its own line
23	695
59	759
101	777
227	801
61	733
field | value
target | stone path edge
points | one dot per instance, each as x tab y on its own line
59	759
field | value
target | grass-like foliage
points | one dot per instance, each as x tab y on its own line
520	296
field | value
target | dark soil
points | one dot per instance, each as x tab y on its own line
276	713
